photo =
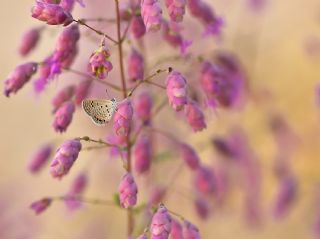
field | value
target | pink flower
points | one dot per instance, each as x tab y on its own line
99	64
135	66
65	49
62	96
29	40
82	90
176	90
40	158
143	236
137	27
142	154
122	118
69	4
176	9
20	76
190	231
41	205
160	224
65	157
190	156
77	188
171	33
152	14
176	230
204	181
201	10
286	196
202	208
142	107
195	116
63	116
128	191
52	14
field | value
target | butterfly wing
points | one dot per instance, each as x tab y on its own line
100	111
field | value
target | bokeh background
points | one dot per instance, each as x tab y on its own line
279	47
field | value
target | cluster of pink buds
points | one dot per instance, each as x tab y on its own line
122	118
128	191
29	41
63	116
77	188
190	156
21	75
135	66
65	157
161	224
176	9
195	116
40	158
137	27
62	96
142	154
201	10
176	90
142	107
99	64
41	205
52	14
152	14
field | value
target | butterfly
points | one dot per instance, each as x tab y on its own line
99	110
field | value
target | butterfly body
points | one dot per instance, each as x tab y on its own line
100	110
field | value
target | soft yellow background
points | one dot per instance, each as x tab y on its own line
272	46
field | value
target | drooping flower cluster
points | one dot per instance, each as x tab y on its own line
161	224
29	41
21	75
65	157
41	205
135	66
99	63
142	154
176	90
142	107
122	118
176	9
77	188
152	14
63	116
52	14
40	158
128	191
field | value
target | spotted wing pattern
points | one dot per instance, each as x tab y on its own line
100	111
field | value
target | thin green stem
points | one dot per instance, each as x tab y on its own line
94	201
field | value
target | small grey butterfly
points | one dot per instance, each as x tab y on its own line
99	110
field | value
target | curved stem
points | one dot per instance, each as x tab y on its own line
115	87
83	23
94	201
99	141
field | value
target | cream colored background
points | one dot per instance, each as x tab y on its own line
280	65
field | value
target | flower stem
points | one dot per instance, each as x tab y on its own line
85	200
83	23
99	141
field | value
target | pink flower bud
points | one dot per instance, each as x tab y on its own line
142	155
142	107
195	116
29	40
176	230
64	95
52	14
128	191
190	156
20	76
63	116
202	11
152	14
41	205
171	33
286	196
65	49
65	157
68	5
82	90
99	64
202	208
137	27
77	188
176	90
204	181
176	9
122	118
40	158
135	66
160	224
190	231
